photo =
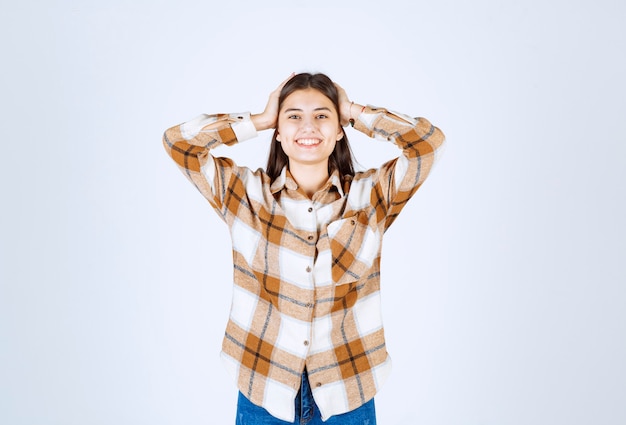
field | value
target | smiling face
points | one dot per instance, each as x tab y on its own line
308	128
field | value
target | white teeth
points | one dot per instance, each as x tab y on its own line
308	142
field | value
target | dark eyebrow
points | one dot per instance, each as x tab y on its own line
322	108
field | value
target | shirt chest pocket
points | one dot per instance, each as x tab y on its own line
354	246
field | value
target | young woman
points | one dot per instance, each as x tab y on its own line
304	340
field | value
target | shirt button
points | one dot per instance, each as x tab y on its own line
310	209
352	222
310	237
306	342
319	384
308	269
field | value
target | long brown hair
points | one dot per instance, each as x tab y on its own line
341	157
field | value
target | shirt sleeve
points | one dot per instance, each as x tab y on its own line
189	145
421	144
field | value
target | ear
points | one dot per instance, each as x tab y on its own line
278	137
340	134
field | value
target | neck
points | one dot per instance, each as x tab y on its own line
310	178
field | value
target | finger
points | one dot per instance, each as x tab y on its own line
280	87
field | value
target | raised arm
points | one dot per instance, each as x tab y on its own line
189	143
419	140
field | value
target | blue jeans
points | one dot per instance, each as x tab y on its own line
307	412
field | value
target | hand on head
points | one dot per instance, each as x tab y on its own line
269	117
344	106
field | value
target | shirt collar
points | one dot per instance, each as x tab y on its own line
286	180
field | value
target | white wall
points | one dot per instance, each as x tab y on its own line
504	282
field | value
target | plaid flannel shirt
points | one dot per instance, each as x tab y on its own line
306	271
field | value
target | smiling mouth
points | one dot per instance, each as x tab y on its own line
308	142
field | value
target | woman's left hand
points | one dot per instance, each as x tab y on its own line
344	106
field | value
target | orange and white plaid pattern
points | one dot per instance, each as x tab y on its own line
306	271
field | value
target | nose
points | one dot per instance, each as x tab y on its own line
308	124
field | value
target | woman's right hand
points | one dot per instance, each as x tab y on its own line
269	117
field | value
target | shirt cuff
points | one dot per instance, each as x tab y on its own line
243	126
